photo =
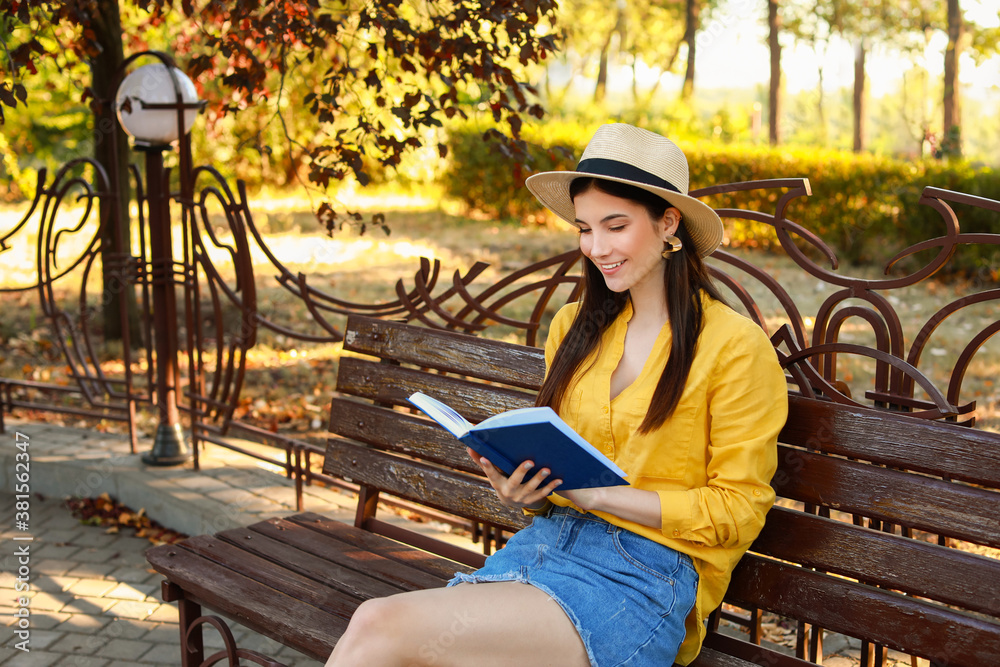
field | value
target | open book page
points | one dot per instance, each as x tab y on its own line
443	414
537	415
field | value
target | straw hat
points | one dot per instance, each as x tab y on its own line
632	155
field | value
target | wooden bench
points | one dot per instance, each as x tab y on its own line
863	541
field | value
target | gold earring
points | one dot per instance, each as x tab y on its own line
671	245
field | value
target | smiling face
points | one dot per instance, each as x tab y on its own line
623	241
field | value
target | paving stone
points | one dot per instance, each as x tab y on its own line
32	659
261	644
48	620
131	591
98	555
122	628
163	633
53	566
89	624
162	654
94	570
41	639
135	575
45	601
132	609
202	484
75	643
92	587
122	649
7	613
165	613
53	583
88	605
56	551
95	537
82	661
52	534
60	518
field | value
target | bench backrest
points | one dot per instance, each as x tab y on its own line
875	530
386	446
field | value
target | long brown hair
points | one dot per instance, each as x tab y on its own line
686	278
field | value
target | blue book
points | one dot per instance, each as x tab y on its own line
529	434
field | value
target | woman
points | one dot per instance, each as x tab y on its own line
680	391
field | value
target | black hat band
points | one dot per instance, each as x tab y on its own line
623	170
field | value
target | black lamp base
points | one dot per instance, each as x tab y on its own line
169	449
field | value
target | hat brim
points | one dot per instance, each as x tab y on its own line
702	223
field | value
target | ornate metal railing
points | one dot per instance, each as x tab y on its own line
221	316
74	244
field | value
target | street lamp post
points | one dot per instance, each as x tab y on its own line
156	105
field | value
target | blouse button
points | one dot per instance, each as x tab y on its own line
756	492
676	532
604	409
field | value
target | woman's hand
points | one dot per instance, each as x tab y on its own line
516	491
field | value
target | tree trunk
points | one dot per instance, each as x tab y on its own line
952	140
774	91
859	96
692	12
111	152
602	71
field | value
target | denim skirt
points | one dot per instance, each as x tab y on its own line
627	595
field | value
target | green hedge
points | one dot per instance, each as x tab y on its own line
862	205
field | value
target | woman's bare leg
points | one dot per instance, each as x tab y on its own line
504	623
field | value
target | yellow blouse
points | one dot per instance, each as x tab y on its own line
713	459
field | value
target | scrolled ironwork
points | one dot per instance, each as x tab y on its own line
897	374
231	653
73	329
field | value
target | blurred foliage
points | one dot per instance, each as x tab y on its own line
864	206
337	87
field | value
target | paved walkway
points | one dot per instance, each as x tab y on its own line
93	600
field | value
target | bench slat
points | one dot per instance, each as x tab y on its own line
903	623
442	568
390	384
400	432
265	610
940	449
937	506
291	580
371	561
459	494
329	563
483	358
900	563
